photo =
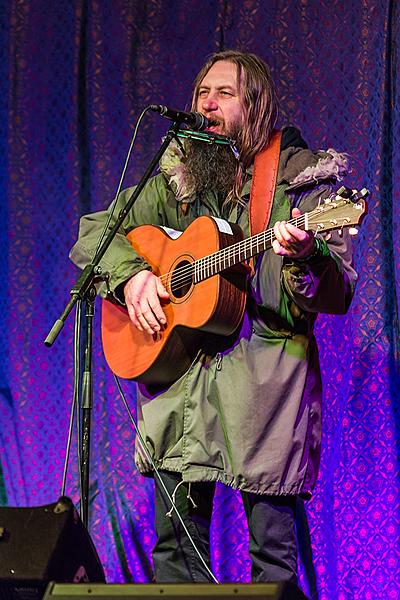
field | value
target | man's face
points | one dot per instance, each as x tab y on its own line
219	99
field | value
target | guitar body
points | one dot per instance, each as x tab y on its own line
213	305
207	291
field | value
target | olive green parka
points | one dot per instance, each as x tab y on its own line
247	412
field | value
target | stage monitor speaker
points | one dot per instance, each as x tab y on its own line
169	591
42	544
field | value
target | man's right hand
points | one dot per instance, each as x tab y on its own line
143	293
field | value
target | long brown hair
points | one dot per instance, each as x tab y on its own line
260	106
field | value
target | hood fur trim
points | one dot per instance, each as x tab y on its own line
173	167
332	165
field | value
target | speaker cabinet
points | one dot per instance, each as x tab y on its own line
42	544
168	591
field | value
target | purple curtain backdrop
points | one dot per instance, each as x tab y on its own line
74	77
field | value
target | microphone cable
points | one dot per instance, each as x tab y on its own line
159	478
121	180
139	436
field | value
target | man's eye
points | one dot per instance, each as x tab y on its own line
225	93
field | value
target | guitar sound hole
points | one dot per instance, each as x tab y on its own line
182	279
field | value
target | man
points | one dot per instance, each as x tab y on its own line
247	412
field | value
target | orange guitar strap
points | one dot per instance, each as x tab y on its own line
263	184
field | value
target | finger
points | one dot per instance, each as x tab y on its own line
155	314
132	315
147	318
286	234
277	232
285	250
158	311
284	237
161	291
144	325
298	235
278	249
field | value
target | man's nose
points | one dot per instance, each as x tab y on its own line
209	104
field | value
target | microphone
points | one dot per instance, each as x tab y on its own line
195	120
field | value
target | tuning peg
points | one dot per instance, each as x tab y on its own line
353	231
357	195
344	192
353	195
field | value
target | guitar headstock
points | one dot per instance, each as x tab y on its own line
346	208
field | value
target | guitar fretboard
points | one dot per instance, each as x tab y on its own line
228	257
335	213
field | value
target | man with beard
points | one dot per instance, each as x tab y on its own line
247	413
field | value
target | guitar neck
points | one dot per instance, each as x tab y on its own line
346	208
244	250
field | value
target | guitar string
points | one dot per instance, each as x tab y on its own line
204	265
184	275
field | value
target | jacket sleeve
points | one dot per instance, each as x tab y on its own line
325	282
120	260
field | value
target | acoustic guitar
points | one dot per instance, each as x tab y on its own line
202	271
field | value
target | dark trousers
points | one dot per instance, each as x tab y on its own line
272	537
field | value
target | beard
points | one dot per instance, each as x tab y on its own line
210	167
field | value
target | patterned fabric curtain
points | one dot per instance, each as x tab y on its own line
74	76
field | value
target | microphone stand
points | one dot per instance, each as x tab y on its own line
84	289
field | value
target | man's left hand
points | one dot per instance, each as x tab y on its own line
292	241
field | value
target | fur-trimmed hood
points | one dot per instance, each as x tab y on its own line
172	166
298	166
